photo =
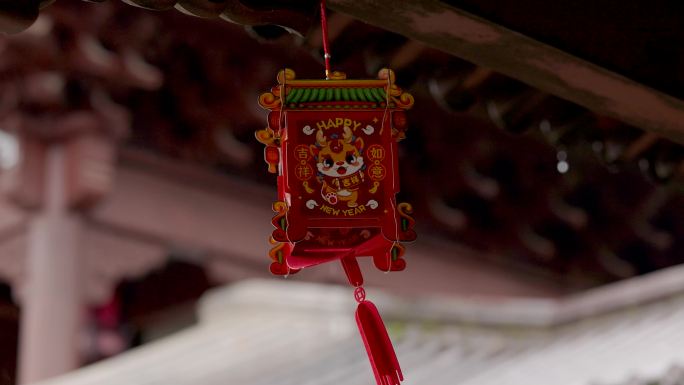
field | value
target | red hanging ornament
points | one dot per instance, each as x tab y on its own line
333	144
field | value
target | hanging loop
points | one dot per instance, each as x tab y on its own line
326	47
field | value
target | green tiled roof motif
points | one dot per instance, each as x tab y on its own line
336	94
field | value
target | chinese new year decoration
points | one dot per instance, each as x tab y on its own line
333	144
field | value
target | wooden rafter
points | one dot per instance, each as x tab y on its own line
485	43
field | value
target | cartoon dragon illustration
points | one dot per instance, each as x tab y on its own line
340	166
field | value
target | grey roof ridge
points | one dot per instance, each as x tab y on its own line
267	295
637	291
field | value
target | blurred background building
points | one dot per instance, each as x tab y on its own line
544	161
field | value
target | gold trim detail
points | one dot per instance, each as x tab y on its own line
267	137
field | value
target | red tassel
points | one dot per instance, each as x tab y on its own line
378	345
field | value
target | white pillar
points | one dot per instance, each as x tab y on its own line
52	308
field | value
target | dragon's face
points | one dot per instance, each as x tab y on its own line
338	157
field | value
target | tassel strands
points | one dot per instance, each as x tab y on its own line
378	345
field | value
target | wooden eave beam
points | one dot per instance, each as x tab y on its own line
487	44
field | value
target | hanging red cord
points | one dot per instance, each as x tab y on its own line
326	47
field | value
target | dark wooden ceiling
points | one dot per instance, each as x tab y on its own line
641	40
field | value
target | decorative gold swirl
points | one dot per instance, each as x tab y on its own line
285	75
269	101
266	136
279	221
276	252
406	222
374	189
405	208
394	90
400	98
281	207
405	100
385	74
